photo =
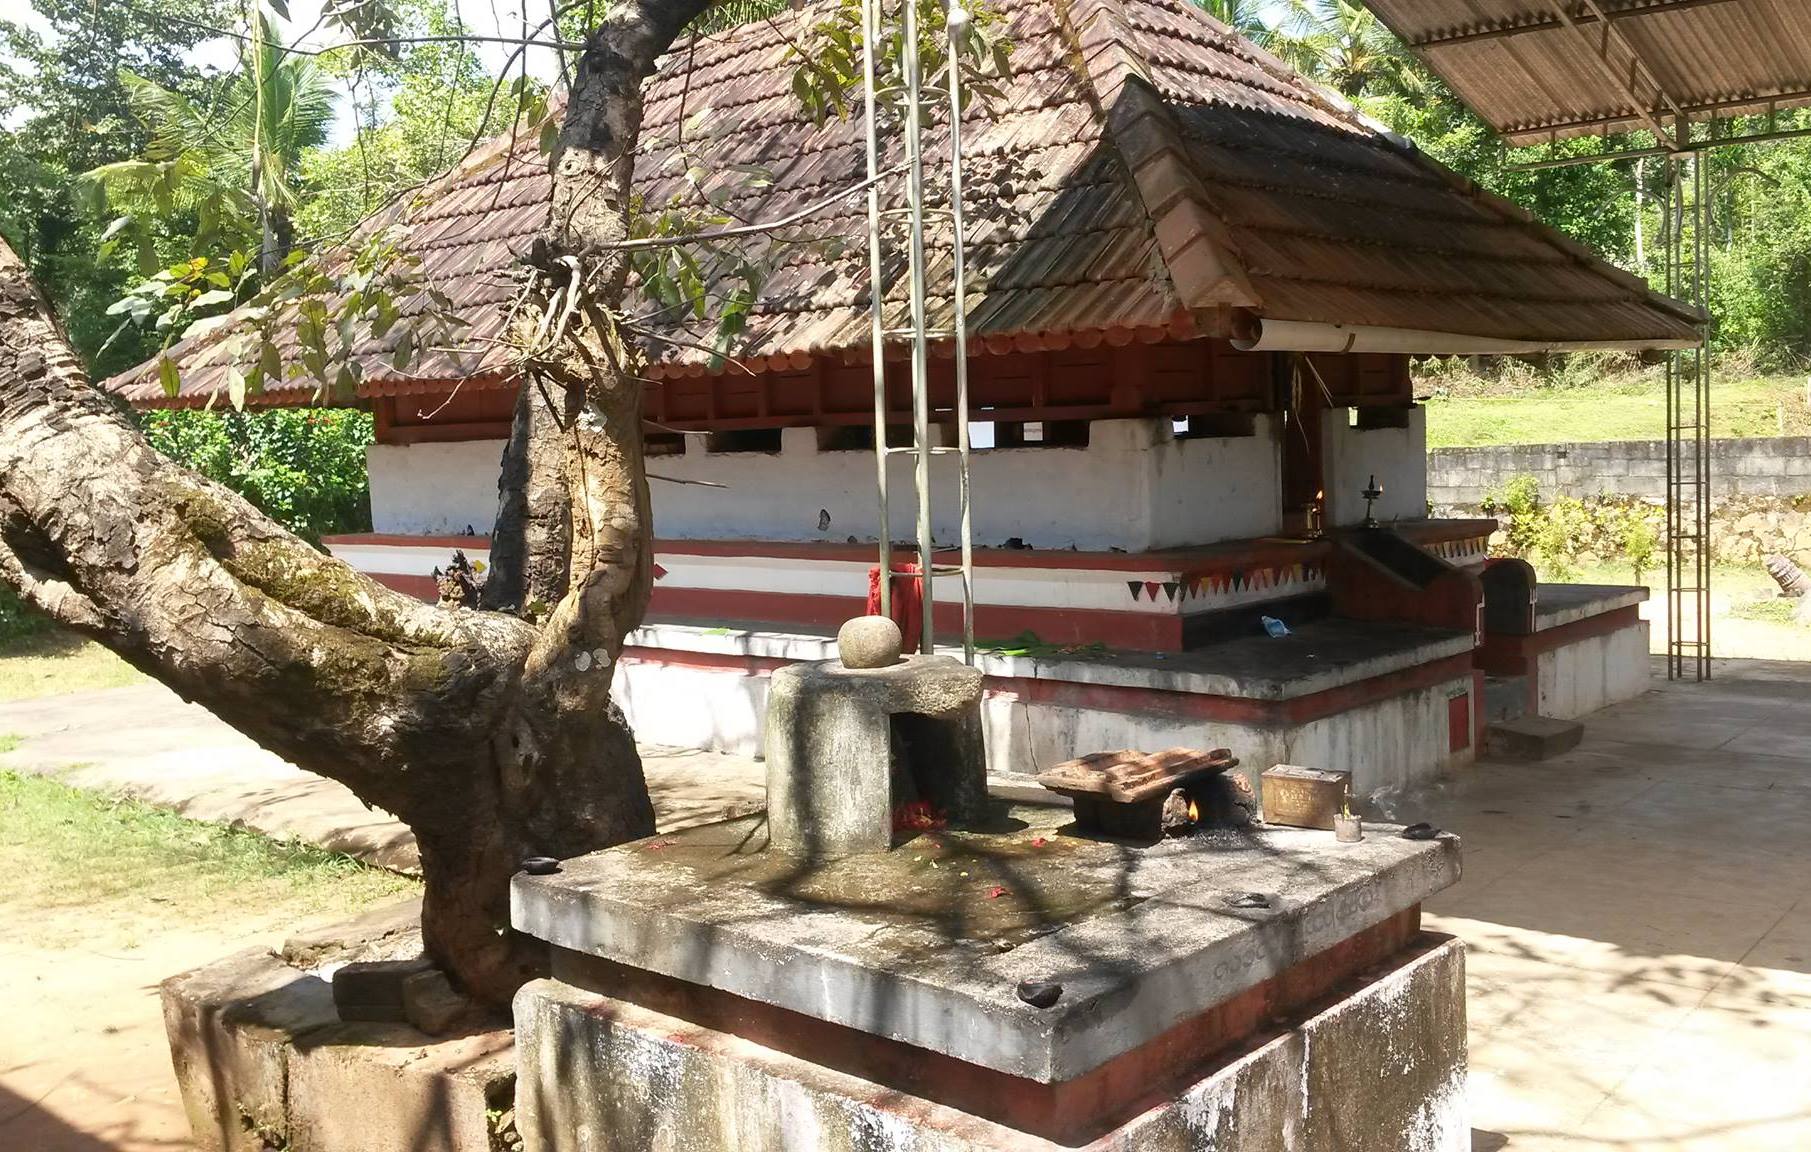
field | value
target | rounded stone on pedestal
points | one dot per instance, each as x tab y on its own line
869	642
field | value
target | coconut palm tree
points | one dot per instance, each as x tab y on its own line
233	166
1245	18
1342	44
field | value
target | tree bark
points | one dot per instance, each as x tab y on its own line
494	739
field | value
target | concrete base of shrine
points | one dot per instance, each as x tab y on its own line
1397	705
1379	1063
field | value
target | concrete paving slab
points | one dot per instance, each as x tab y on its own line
1529	1091
1675	916
1584	924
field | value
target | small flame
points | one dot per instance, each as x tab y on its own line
1194	813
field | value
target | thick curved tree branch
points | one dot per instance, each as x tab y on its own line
589	429
188	581
492	739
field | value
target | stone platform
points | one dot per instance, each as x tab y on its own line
264	1060
1005	986
1380	1065
925	943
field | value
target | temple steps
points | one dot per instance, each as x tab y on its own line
1532	738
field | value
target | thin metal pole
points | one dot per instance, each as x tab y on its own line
1675	547
1701	527
870	15
921	405
959	325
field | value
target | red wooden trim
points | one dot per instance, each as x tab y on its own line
445	433
1516	655
392	540
420	587
381	386
710	661
1195	561
1142	631
1225	558
805	609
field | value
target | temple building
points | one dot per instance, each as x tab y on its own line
1196	285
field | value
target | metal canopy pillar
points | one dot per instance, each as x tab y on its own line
1688	426
898	102
1686	224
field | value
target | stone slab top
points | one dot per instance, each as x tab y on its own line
1557	604
1316	657
928	943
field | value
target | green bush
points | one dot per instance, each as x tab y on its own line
305	468
16	620
1557	536
1518	504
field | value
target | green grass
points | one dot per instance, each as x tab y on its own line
7	742
51	663
65	850
1629	407
1776	610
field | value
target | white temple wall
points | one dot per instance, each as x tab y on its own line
1134	487
1391	744
1223	488
434	489
1577	679
1396	456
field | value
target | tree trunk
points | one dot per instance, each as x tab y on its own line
492	738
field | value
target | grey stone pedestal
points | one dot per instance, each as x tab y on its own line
846	747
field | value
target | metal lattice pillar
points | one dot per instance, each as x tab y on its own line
1688	427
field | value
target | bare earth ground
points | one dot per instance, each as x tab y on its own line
102	900
1638	915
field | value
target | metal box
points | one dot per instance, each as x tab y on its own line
1297	797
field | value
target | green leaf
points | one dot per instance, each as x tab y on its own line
235	387
169	376
207	325
210	298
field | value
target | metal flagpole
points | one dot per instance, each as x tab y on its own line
956	19
921	400
912	91
870	23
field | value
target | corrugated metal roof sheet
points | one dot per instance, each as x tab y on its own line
1144	168
1533	77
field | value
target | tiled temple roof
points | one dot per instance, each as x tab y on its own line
1144	174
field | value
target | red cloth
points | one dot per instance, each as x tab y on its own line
908	599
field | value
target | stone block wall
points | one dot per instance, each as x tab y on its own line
1771	466
1745	529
